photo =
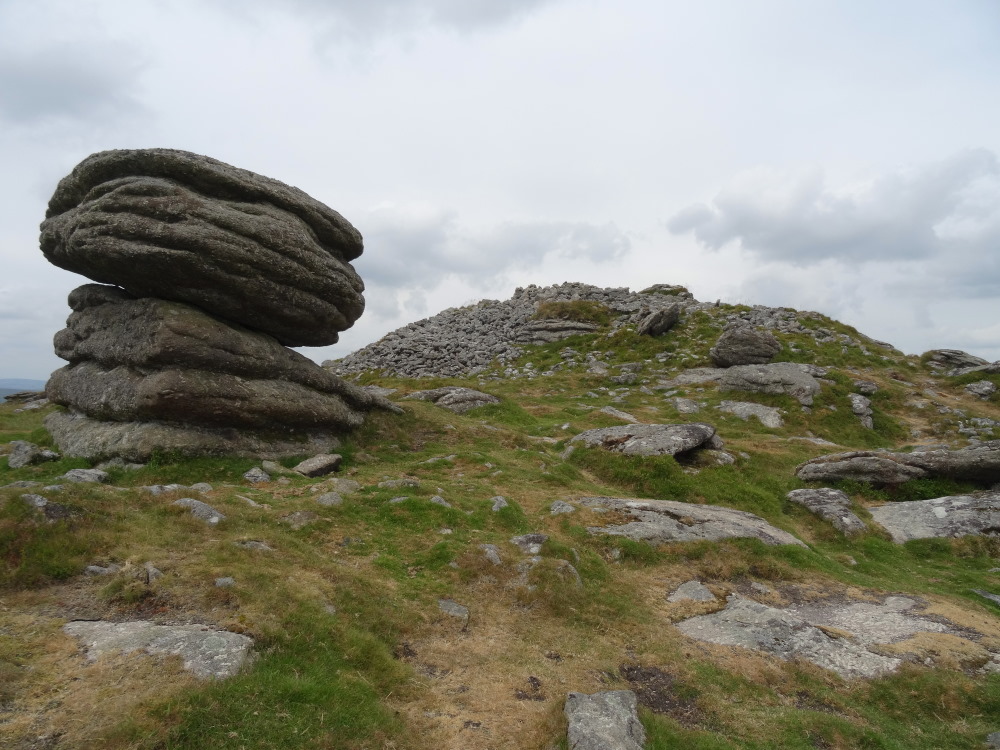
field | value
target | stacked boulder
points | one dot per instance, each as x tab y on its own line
208	273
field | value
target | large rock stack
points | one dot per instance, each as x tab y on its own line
208	273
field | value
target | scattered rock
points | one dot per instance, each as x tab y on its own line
651	439
619	414
454	398
23	453
438	500
758	627
201	511
530	544
257	475
254	544
660	521
861	406
320	465
952	516
995	598
743	345
604	721
207	653
560	506
499	503
395	484
225	582
768	416
454	609
830	505
83	476
341	485
692	591
492	553
299	519
865	387
101	570
686	405
330	499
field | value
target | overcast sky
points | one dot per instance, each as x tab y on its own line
834	155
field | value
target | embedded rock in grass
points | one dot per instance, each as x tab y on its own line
779	378
861	406
607	720
692	591
207	653
768	416
743	345
758	627
454	398
661	521
952	516
983	389
619	414
175	225
830	505
23	453
319	466
201	511
529	544
977	463
85	476
651	439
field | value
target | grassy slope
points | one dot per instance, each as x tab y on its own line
353	650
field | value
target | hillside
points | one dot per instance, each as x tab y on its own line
465	570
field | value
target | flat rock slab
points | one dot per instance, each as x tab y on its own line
786	378
871	623
319	466
976	463
604	721
952	516
651	439
692	591
201	511
454	398
830	505
758	627
768	416
660	521
207	653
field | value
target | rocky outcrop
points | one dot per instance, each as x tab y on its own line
977	463
779	378
659	322
660	521
552	329
187	228
953	516
830	505
768	416
651	439
743	345
215	267
953	359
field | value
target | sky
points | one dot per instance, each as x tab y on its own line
841	156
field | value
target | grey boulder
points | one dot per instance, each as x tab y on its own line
661	521
201	511
830	505
454	398
651	439
768	416
952	516
977	463
23	453
321	465
659	322
983	389
743	345
604	721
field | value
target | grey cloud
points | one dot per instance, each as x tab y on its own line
68	83
903	215
413	250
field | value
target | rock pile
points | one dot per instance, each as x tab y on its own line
208	272
465	341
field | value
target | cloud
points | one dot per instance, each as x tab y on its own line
415	247
68	82
904	215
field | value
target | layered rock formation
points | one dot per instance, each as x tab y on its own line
208	272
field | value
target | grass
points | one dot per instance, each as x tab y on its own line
353	650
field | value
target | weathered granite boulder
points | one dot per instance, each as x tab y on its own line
604	721
651	439
216	267
778	378
830	505
743	345
952	516
953	359
184	227
983	389
23	453
454	398
976	463
660	521
659	322
861	406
